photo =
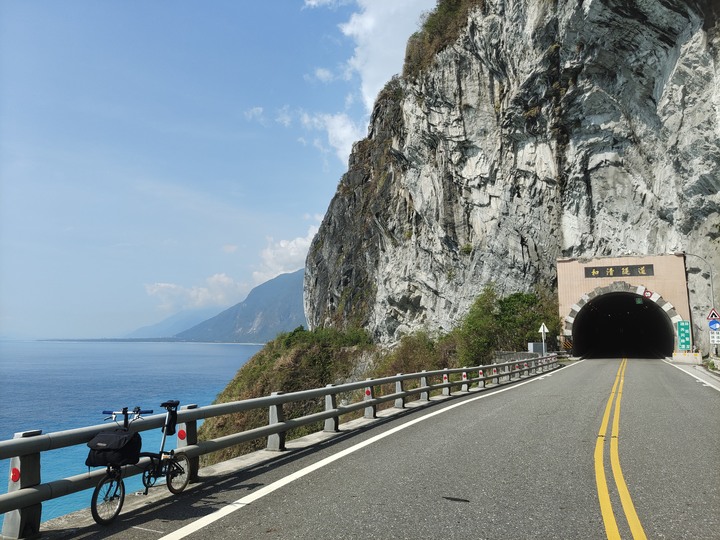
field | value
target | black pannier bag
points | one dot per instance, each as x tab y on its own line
114	447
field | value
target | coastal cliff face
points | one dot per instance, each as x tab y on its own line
548	129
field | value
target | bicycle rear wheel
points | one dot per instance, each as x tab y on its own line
107	499
178	474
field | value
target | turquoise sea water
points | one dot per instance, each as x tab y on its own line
55	386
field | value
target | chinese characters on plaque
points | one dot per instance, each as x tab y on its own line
633	270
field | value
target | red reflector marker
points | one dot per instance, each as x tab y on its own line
182	434
15	474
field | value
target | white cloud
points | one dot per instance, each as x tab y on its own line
218	290
380	31
313	217
321	3
255	114
324	75
283	256
284	116
341	132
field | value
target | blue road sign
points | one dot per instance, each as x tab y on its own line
714	324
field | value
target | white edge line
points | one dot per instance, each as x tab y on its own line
706	383
237	505
147	530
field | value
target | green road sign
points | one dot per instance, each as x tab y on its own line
683	332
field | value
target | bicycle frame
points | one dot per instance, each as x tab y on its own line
170	422
163	463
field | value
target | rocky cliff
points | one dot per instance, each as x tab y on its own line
547	129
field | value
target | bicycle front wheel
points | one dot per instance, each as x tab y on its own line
107	499
178	474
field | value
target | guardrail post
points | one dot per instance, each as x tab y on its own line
465	386
481	382
276	441
371	411
424	395
399	402
187	436
446	379
332	425
24	473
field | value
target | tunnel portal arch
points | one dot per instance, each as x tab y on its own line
621	319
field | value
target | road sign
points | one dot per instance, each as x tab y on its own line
714	337
683	331
713	314
714	324
543	330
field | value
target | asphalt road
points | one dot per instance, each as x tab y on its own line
520	462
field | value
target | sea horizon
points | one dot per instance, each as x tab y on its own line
56	385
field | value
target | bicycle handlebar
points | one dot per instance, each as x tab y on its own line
128	411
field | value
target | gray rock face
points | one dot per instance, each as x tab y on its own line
548	129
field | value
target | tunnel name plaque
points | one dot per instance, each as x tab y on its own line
634	270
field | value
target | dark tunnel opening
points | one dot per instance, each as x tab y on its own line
617	325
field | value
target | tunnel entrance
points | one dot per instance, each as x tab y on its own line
622	324
623	305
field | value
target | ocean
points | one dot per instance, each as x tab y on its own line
58	385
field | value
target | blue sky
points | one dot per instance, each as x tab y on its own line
164	156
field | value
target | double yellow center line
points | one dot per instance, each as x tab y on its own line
611	527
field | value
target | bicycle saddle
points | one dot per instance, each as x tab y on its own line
173	403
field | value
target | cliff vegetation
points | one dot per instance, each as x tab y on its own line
440	28
302	359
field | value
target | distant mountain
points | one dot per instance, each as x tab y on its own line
175	324
273	307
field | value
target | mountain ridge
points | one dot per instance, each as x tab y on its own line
270	308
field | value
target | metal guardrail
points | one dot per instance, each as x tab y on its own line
23	502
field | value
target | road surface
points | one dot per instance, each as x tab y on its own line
599	449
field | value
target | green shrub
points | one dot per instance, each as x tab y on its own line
414	353
475	337
441	27
520	316
504	324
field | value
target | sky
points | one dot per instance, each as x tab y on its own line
159	157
